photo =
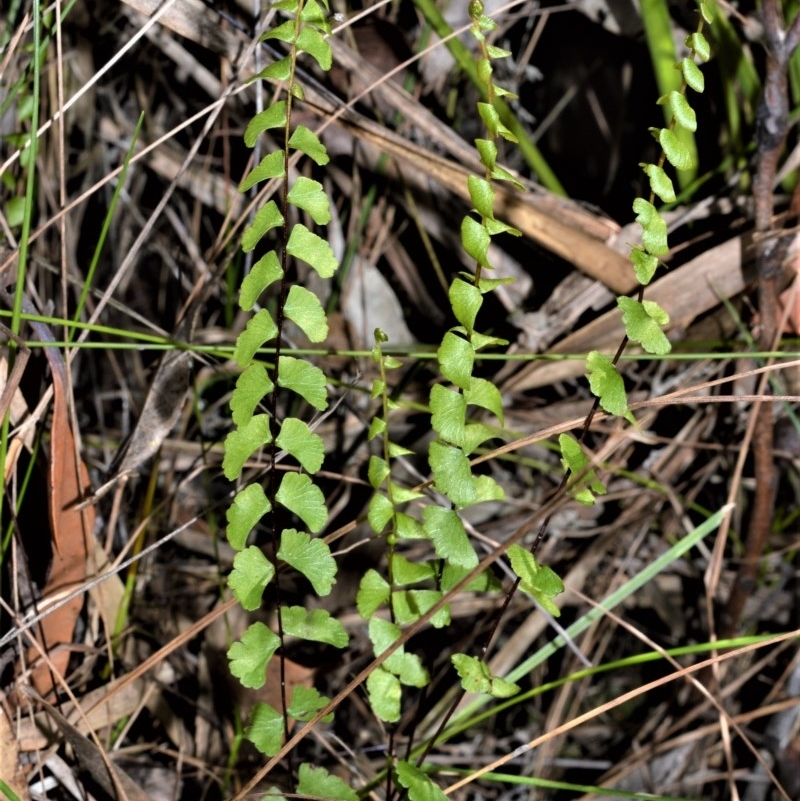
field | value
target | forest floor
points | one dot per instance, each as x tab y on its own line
672	689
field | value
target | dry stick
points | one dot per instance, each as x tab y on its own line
689	728
698	685
613	704
771	131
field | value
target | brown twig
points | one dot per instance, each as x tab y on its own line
771	132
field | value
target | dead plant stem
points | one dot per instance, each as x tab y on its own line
771	132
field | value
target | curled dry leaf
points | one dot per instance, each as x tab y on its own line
160	412
72	529
162	406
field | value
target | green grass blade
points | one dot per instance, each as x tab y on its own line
8	792
549	784
613	600
658	32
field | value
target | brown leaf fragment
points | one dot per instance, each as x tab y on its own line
72	530
295	675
